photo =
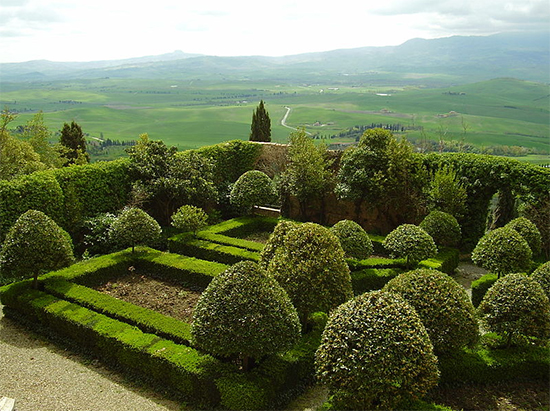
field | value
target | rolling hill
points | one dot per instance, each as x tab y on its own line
445	61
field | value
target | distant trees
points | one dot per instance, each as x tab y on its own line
17	157
260	129
72	139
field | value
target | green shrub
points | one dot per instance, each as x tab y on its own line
275	241
375	353
251	189
502	251
311	268
480	287
443	228
542	276
35	244
96	234
411	242
354	239
529	231
516	306
244	312
134	226
443	306
189	218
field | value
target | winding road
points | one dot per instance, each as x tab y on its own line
283	121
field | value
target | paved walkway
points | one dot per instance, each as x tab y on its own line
40	376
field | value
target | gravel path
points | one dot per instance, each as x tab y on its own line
40	376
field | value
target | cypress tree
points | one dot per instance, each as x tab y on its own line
260	129
72	138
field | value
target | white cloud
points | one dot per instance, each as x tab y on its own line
106	29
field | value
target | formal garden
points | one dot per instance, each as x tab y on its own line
238	275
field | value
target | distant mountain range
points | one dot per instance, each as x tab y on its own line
450	60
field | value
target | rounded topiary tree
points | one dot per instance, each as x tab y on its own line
354	239
529	231
252	188
312	269
443	306
276	240
244	312
134	226
35	244
516	306
502	251
542	276
189	218
411	242
375	353
442	227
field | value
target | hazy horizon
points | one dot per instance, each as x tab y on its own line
67	31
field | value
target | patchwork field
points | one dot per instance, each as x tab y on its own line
197	113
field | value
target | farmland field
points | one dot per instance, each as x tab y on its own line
198	112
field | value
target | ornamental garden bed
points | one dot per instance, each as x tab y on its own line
144	341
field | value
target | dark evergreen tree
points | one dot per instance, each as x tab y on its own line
260	130
72	139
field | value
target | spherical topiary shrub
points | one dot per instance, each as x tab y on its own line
542	276
189	218
443	228
443	306
354	239
252	188
311	268
375	353
134	226
244	312
516	306
276	240
411	242
502	251
35	244
529	231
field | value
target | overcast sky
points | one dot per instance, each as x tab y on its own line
75	30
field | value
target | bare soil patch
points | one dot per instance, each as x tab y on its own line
167	298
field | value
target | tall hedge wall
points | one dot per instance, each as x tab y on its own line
67	195
485	175
92	189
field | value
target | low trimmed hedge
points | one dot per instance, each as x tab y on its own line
180	367
227	231
446	261
207	250
370	279
480	287
484	365
148	321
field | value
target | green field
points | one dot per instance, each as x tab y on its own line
197	113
